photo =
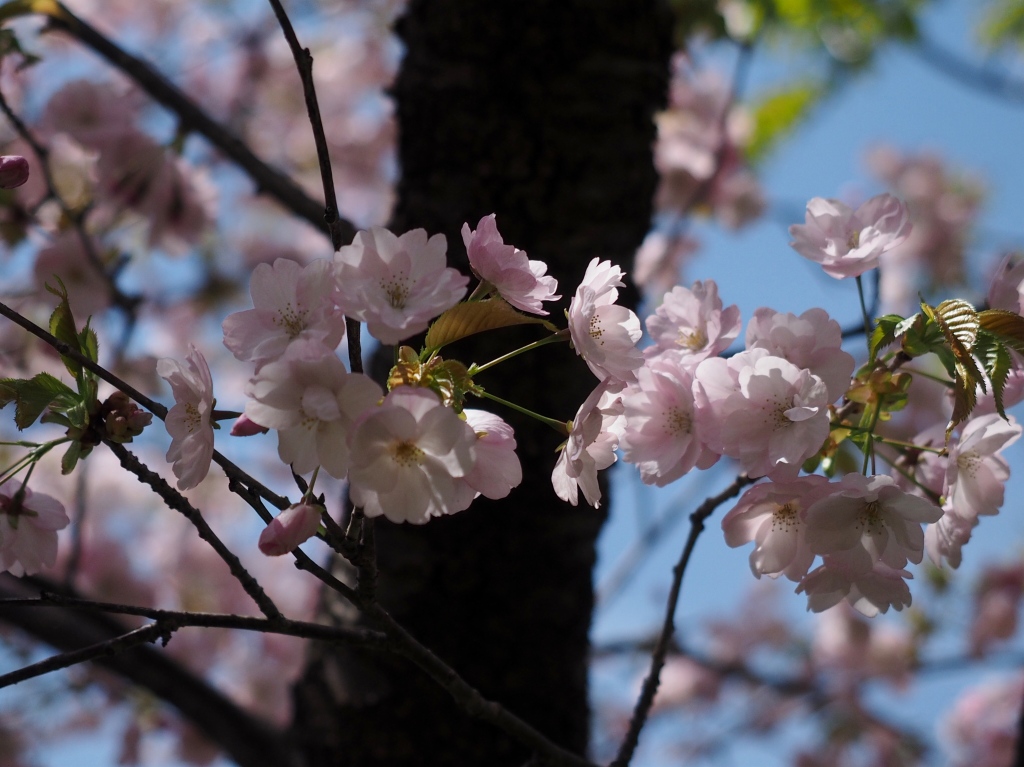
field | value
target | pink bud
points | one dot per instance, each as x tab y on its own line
288	529
246	427
13	171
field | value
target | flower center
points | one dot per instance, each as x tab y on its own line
854	240
193	419
968	463
596	331
291	319
693	339
785	518
677	421
407	454
397	292
870	520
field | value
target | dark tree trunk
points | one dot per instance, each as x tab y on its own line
540	112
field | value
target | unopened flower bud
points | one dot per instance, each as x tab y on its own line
13	171
123	419
288	529
246	427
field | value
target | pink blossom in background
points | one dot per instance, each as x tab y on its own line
290	302
518	280
1007	287
996	606
866	520
189	421
591	446
772	516
660	434
762	410
685	682
313	402
982	729
95	114
28	529
497	469
870	592
407	455
693	323
945	539
396	285
604	334
976	472
812	341
660	259
848	242
13	171
88	290
294	525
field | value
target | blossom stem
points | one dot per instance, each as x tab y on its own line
307	497
864	310
559	426
561	335
30	460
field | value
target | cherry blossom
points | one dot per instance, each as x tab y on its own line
693	322
660	434
298	523
313	403
975	472
983	728
28	529
497	469
407	456
848	242
189	421
865	520
812	341
771	515
945	539
520	281
870	592
591	446
1007	287
396	285
762	410
88	290
660	259
603	333
289	302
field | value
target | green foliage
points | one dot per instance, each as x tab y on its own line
467	319
1003	25
32	396
778	113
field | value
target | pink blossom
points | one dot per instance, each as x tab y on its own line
1007	286
685	682
975	470
762	410
28	529
660	434
866	520
94	114
407	456
396	284
997	603
693	322
88	289
660	259
603	333
945	539
13	171
189	420
983	727
497	469
313	403
518	280
591	445
848	242
244	426
291	527
812	341
870	592
289	302
772	515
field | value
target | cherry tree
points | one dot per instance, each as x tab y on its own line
387	558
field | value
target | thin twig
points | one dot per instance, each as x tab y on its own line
965	72
178	502
268	180
650	686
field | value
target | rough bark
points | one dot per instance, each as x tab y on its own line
542	113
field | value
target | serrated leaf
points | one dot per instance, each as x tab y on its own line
959	318
33	396
89	344
1008	326
964	399
883	334
905	325
997	362
62	326
464	320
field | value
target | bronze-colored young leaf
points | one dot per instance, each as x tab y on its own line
1009	326
475	317
996	360
959	319
965	397
62	325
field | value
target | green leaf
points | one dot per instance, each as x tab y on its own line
464	320
778	113
33	396
997	362
883	334
62	326
1007	326
88	343
1003	25
70	458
